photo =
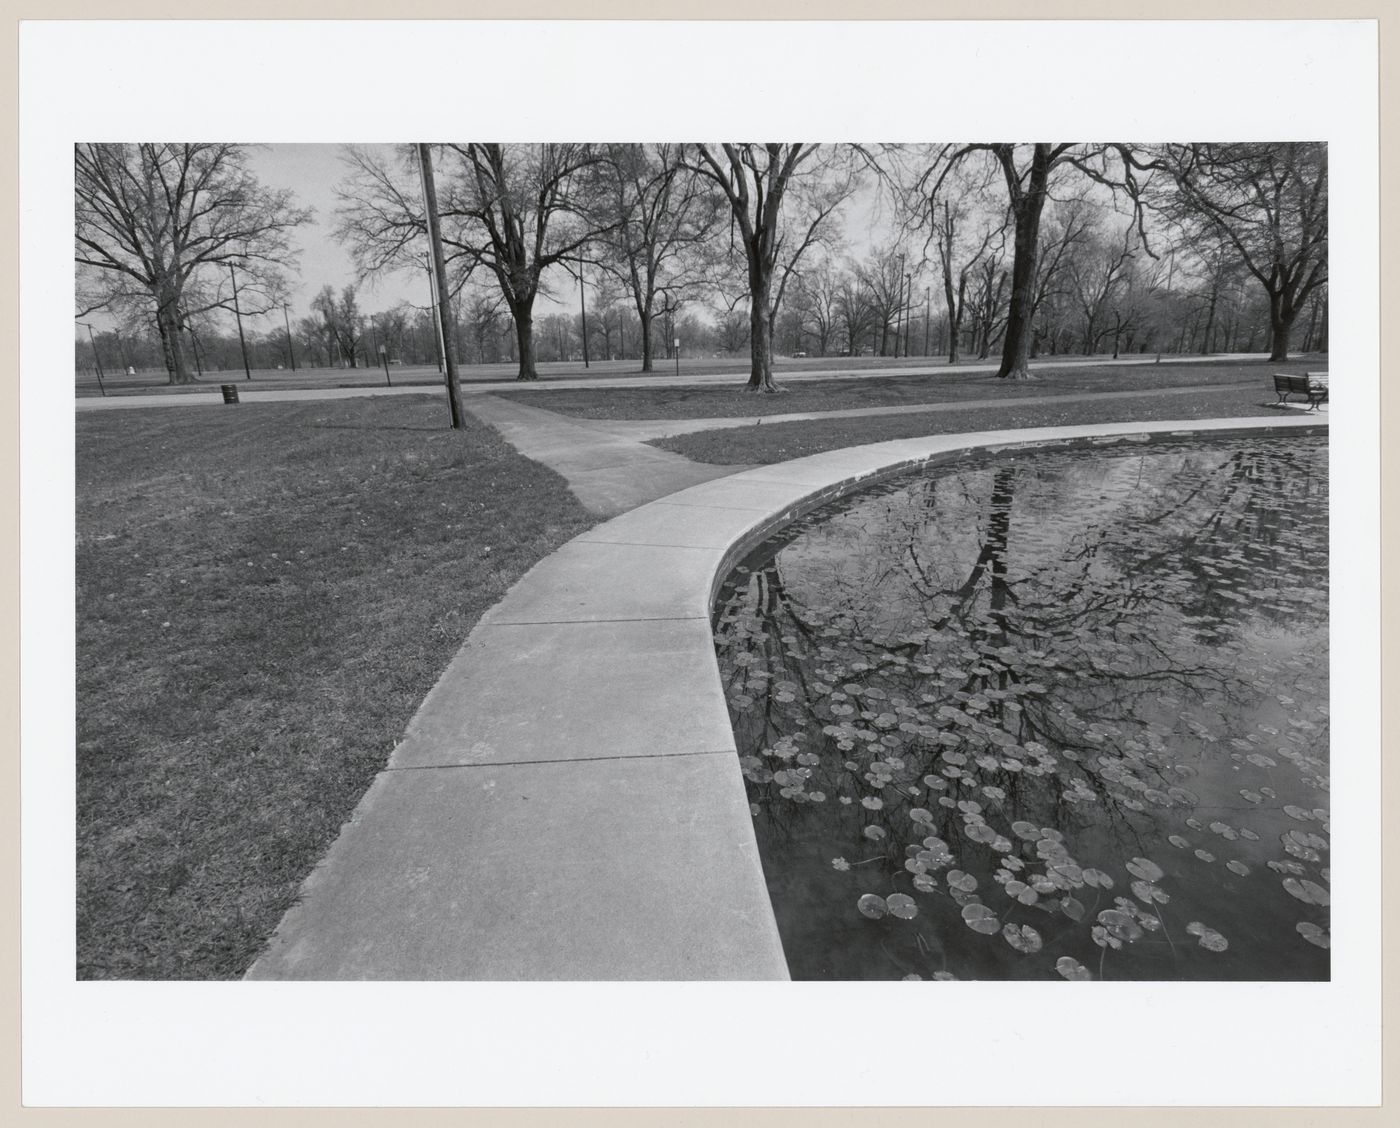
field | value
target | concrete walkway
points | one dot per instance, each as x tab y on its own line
609	472
567	803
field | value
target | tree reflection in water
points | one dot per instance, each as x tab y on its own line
1056	714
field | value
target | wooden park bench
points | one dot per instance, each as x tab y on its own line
1313	386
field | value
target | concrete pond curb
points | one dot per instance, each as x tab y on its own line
567	803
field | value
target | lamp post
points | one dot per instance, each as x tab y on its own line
384	356
677	344
96	359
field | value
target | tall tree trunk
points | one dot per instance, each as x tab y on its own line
644	320
523	315
761	340
171	347
1026	209
1281	315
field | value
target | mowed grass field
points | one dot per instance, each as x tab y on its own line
266	593
945	386
264	596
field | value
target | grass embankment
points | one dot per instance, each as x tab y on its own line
780	442
840	394
265	594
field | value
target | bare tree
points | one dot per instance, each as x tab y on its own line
782	198
155	223
1268	202
666	217
342	319
512	210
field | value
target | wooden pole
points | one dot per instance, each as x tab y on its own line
454	389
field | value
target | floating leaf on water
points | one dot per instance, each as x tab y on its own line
913	976
840	864
1072	969
1072	908
874	833
1313	934
1237	866
1177	841
1098	878
872	803
1145	869
1294	812
925	882
872	905
1022	937
1251	796
981	919
921	815
1205	855
1209	939
901	905
1319	895
1029	831
1147	893
1120	925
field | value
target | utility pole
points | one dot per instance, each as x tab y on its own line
454	390
899	310
583	313
291	351
432	309
237	316
96	359
928	307
908	310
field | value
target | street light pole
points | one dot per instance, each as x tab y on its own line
96	359
237	316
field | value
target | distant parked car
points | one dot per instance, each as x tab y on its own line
799	356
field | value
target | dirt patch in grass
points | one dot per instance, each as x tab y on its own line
780	442
265	594
838	394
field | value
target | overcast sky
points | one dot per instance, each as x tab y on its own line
312	171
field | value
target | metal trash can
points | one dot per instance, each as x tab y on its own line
230	392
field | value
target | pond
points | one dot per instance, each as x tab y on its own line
1046	714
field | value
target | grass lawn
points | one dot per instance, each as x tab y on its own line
948	386
265	594
779	442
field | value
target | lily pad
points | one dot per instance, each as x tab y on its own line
1022	937
981	919
901	905
872	905
1314	934
1072	969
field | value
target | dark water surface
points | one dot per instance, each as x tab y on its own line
1060	713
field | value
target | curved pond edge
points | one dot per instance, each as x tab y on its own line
523	829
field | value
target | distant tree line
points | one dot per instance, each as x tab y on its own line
1005	251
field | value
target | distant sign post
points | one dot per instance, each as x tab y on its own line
677	345
384	356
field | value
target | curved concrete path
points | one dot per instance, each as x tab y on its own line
567	803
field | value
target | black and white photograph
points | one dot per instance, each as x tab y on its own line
607	572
